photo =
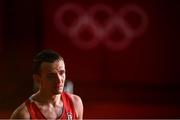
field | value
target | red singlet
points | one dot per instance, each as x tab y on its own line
68	109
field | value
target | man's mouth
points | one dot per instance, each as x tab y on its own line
59	86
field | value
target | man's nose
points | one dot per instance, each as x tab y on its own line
59	78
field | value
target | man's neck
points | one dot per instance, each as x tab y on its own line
48	99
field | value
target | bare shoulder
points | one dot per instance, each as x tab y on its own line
75	98
21	112
78	104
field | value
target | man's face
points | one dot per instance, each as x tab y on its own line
52	77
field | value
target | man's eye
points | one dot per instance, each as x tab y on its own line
61	72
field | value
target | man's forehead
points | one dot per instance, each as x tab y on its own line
57	65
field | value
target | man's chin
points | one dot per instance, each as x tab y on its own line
58	92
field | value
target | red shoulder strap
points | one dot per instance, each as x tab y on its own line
33	110
69	106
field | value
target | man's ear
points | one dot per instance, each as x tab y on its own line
36	78
37	81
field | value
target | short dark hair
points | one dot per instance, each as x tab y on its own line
47	55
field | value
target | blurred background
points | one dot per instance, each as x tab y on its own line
121	56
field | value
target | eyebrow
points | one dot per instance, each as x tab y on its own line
53	73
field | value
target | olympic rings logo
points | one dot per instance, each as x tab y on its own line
82	21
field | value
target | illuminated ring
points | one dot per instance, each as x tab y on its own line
124	42
129	33
144	19
84	44
101	31
58	18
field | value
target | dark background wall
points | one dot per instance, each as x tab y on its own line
139	81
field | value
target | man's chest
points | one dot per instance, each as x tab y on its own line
51	112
